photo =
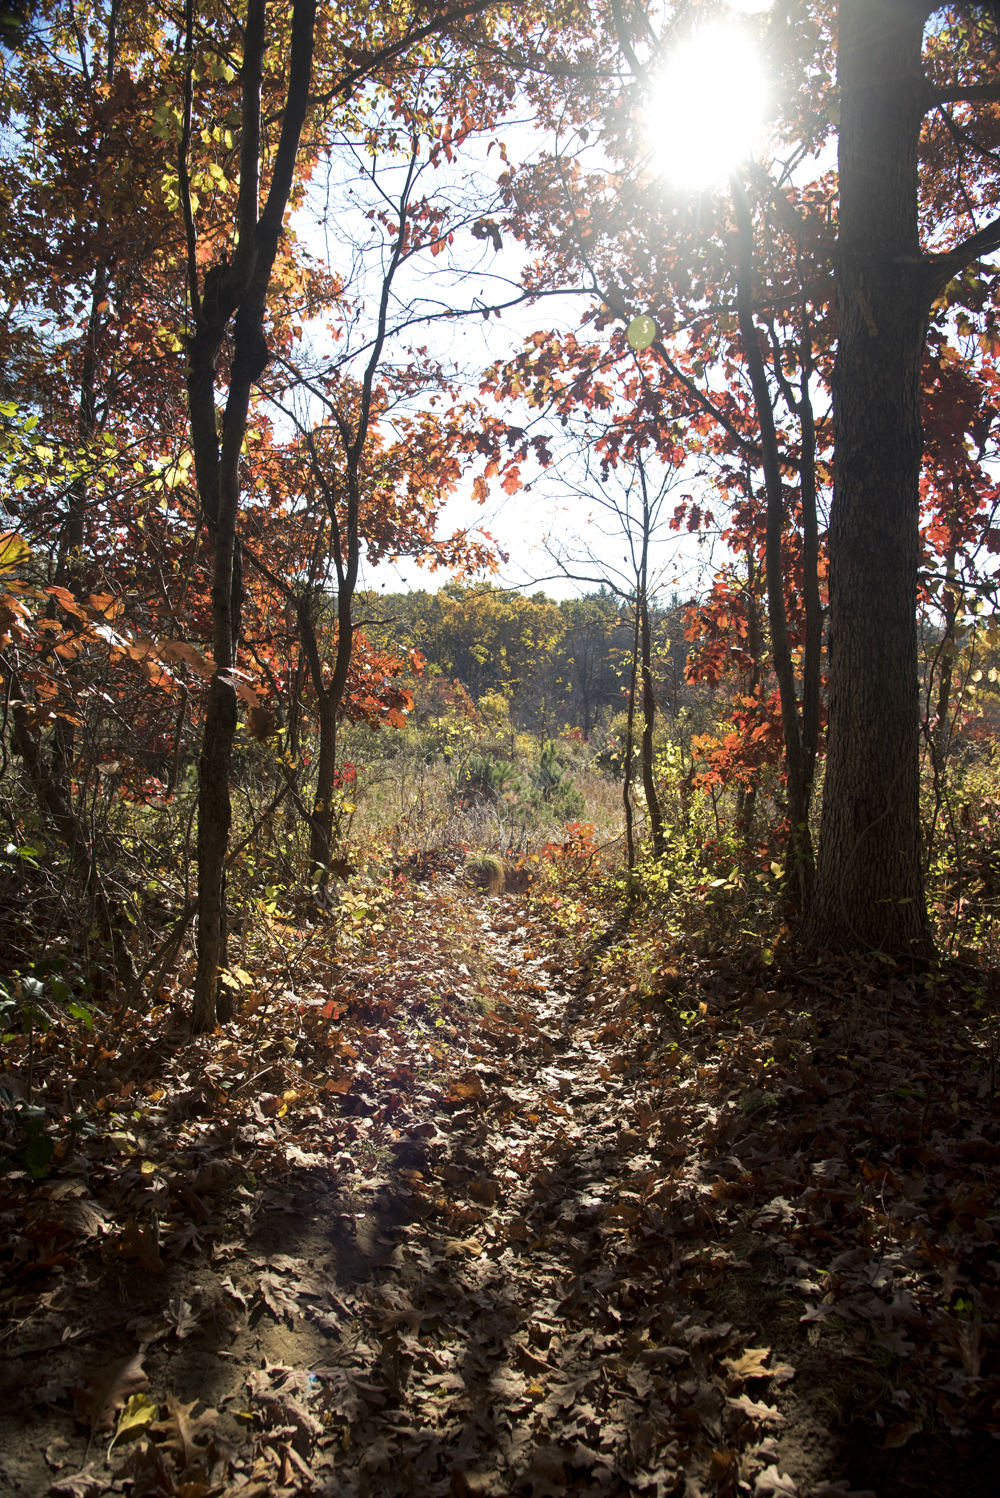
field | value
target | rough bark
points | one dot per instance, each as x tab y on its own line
869	892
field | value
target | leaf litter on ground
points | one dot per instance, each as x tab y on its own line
550	1201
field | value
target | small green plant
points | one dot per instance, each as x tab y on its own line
31	1149
553	789
481	778
32	1003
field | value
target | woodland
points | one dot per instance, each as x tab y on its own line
475	1040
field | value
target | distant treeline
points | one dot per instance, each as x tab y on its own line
556	664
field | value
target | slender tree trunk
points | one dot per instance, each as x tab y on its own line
241	288
321	827
812	656
800	854
869	892
747	799
629	742
648	722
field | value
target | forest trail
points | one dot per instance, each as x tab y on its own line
463	1215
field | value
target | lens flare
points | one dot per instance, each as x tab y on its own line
707	111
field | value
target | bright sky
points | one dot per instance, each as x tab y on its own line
705	117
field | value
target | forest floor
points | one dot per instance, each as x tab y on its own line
461	1211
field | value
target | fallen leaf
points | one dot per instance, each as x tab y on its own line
898	1435
135	1419
750	1365
102	1393
277	1298
140	1243
85	1484
180	1430
546	1472
230	1289
762	1412
774	1484
183	1319
55	1453
459	1248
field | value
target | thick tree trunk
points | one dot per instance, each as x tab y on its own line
869	892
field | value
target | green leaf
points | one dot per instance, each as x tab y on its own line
641	332
38	1154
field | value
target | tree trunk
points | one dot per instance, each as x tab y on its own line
869	892
321	825
629	741
241	288
214	820
800	855
648	721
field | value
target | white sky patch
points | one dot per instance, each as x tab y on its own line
706	113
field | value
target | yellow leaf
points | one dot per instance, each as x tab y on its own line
138	1414
750	1365
14	550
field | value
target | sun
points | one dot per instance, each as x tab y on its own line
707	110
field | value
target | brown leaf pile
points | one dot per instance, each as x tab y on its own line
570	1179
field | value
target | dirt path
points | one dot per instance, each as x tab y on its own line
439	1251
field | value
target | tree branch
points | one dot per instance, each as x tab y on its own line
943	268
960	93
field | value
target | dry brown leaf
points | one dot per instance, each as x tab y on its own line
180	1430
467	1088
151	1470
103	1392
277	1297
774	1484
140	1243
723	1465
459	1248
483	1191
183	1319
762	1412
85	1484
527	1360
546	1473
900	1434
55	1453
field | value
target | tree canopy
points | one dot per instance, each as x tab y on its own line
243	255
